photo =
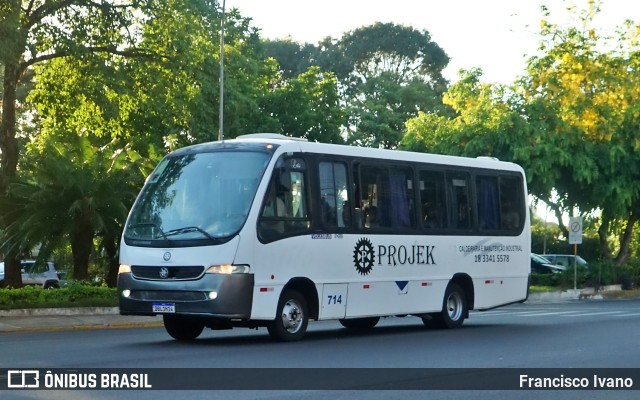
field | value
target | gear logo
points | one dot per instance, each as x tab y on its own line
364	256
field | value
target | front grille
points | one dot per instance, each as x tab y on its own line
173	272
167	295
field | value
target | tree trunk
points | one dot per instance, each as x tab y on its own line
603	236
8	143
558	213
625	240
12	272
81	247
9	160
110	245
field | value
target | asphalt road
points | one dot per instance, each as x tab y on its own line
576	334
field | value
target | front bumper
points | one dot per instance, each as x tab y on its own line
234	295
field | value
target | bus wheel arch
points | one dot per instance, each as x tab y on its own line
292	317
298	304
456	303
306	288
466	284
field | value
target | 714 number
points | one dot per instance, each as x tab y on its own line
334	299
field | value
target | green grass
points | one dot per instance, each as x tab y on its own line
540	289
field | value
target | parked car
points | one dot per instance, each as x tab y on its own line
566	260
41	274
540	265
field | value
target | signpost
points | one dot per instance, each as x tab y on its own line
575	238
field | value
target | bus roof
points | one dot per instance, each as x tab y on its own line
290	144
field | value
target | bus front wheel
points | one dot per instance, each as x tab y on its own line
292	317
182	328
454	309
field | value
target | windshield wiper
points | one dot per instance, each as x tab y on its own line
188	229
152	224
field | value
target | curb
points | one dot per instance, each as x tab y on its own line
588	293
48	312
80	327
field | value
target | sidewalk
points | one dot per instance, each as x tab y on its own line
55	319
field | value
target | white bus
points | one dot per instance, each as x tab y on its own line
270	231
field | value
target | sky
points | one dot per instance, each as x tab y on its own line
494	35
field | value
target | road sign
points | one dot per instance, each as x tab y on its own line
575	230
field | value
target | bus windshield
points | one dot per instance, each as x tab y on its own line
197	196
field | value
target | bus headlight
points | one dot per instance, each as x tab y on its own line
228	269
124	269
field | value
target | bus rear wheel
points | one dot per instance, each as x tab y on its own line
454	309
182	328
361	324
292	317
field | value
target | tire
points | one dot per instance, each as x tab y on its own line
454	309
182	328
51	285
361	324
292	317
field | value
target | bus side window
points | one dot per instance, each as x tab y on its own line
459	200
487	202
512	209
274	208
285	209
387	195
370	182
334	202
433	199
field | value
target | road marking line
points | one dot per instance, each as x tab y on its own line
588	314
537	314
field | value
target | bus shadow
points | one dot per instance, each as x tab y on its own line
315	334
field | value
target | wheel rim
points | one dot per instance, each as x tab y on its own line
292	316
454	306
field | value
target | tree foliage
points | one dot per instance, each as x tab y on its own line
386	74
571	121
35	31
485	123
71	193
589	84
138	78
306	106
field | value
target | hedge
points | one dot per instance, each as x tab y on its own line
72	295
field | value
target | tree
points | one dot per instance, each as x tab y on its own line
134	77
396	71
486	122
386	74
38	30
72	192
306	106
293	58
582	96
571	121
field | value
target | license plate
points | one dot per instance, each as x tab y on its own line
164	308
